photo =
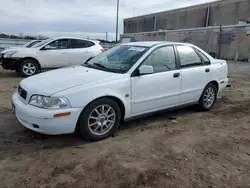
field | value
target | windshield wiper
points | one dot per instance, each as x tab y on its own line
100	65
96	64
86	64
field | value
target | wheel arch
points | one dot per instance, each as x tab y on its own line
201	100
27	58
116	99
215	83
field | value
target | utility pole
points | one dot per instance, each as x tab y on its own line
220	40
117	21
134	12
106	36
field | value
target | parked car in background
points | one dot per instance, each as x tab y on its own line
51	53
26	45
126	81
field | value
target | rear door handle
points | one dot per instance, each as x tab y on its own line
207	70
65	53
176	75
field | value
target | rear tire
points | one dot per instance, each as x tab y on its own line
208	97
28	68
100	119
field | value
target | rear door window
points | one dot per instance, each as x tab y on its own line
188	57
59	44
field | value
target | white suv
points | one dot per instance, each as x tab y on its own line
51	53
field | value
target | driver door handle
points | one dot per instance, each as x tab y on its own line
207	70
65	53
176	75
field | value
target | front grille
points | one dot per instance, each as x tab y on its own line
22	92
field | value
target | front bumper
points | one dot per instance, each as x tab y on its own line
9	63
42	120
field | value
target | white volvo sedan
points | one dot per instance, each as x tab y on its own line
126	81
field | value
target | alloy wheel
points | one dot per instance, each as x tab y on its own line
101	120
29	69
209	97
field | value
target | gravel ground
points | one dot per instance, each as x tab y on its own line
183	148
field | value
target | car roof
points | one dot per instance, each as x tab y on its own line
78	38
144	43
152	43
34	40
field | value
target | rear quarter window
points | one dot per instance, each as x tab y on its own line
89	43
75	43
205	59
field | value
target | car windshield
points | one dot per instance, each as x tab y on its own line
118	59
26	44
31	43
41	43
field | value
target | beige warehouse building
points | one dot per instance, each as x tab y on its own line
221	27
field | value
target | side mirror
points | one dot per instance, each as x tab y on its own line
146	69
47	47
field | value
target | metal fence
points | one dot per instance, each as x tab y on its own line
6	42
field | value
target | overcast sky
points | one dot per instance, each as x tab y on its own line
84	18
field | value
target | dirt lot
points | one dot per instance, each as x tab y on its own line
198	149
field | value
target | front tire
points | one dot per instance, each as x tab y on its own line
100	119
28	68
208	97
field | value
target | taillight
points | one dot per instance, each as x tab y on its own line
102	49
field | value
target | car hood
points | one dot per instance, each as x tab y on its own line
54	81
21	50
12	49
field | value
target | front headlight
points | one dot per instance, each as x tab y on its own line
9	54
49	102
